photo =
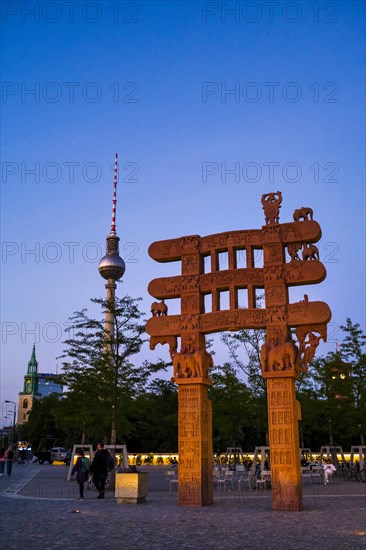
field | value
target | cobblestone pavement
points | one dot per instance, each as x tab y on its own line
41	510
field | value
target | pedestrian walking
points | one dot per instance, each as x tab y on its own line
9	460
82	469
68	457
2	460
101	465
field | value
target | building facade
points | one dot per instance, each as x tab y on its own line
36	385
47	384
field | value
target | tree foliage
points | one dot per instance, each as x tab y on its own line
244	351
98	371
332	394
43	421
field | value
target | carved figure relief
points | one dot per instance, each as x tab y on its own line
192	365
190	302
275	294
189	322
289	232
276	314
159	308
273	273
278	358
303	331
190	243
303	213
271	203
170	340
171	249
310	252
188	459
274	335
310	348
294	272
307	350
190	264
293	249
190	343
273	254
271	234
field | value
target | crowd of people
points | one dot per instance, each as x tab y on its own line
103	463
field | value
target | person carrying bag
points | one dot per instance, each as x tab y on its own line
82	469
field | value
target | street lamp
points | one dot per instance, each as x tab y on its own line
6	418
14	414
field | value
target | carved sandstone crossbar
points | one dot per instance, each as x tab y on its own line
282	358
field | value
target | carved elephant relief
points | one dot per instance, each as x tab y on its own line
310	252
193	365
280	357
159	308
304	213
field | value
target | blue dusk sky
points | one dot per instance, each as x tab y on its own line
209	105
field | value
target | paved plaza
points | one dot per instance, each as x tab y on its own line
41	510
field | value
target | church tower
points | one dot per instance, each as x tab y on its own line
30	389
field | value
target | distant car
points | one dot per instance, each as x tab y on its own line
58	454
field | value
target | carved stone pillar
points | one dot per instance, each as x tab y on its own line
194	443
279	363
283	416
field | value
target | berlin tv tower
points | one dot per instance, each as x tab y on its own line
111	266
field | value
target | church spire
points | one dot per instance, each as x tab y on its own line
32	363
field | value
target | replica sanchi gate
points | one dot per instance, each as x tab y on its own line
281	357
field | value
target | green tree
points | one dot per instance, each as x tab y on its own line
97	369
244	351
155	419
351	350
232	409
43	421
333	393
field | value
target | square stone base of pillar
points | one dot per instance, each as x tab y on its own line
131	488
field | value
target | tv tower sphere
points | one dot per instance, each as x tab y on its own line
111	266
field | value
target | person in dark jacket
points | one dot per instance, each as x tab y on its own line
100	466
82	469
9	460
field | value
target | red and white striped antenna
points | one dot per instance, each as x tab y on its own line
114	202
